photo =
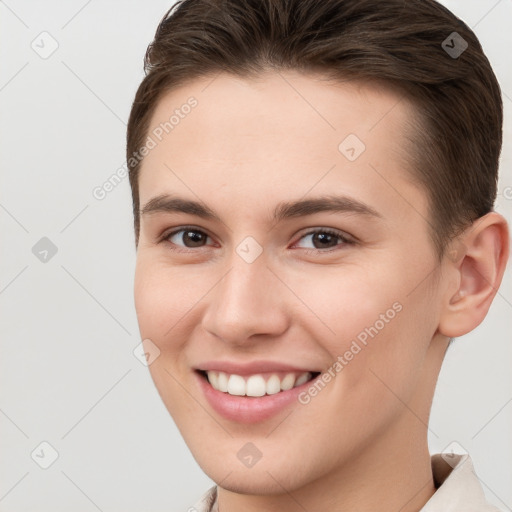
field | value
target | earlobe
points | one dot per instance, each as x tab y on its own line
481	256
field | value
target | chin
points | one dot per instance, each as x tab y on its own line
259	484
276	476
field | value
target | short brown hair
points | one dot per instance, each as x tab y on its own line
405	44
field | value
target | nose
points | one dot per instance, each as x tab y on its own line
248	301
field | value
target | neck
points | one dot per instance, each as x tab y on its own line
393	473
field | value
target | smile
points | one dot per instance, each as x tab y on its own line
258	384
254	396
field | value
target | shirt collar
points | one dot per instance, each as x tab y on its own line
458	486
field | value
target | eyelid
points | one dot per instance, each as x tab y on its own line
343	236
171	232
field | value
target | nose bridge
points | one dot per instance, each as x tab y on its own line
245	302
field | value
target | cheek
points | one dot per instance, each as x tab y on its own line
162	299
163	296
346	305
374	329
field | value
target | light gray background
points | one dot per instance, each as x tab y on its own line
68	373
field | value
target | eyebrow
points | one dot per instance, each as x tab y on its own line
166	203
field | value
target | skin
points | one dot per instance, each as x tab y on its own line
360	443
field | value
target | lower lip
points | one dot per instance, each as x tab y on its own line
245	409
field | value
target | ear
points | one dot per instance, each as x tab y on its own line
476	261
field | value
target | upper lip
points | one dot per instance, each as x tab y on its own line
250	368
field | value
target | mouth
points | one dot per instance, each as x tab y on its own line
252	397
258	384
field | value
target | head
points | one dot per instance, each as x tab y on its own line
333	171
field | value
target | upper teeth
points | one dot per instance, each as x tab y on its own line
255	385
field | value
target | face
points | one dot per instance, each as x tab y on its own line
284	254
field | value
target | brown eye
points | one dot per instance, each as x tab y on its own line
187	237
324	239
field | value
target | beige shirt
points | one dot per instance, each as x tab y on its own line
458	489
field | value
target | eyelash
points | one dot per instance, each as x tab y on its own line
345	240
342	238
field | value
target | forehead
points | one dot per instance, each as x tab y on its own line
294	131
